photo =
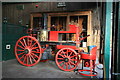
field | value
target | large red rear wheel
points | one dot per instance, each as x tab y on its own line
67	59
28	51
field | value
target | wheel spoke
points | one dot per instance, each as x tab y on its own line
62	55
60	62
35	48
35	52
33	44
34	55
66	65
33	58
63	64
70	53
74	59
60	58
20	47
19	50
20	53
24	59
22	56
24	42
72	63
67	52
30	59
73	56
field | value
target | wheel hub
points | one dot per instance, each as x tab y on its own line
26	51
66	59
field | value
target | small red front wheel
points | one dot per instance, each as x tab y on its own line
28	51
67	59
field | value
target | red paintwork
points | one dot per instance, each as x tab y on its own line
65	46
35	51
53	35
92	57
71	55
32	57
44	60
95	73
42	50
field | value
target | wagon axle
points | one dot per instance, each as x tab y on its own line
66	59
26	51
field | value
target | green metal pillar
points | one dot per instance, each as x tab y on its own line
108	40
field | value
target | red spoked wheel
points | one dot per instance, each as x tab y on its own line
67	59
28	51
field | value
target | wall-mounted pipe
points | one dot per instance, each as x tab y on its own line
45	21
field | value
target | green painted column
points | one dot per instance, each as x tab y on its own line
108	37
